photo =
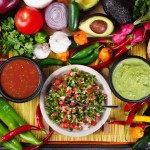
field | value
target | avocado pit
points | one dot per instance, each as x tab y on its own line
98	26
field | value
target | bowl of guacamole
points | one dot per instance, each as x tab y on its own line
129	79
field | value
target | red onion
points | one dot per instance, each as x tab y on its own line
138	36
127	28
8	5
56	15
118	37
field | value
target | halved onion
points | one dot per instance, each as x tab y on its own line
56	15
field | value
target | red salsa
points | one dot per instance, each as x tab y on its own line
20	78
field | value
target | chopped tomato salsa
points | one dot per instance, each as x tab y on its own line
19	78
67	92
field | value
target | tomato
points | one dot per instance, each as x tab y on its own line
28	20
105	54
93	123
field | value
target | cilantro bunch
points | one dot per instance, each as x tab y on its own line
12	39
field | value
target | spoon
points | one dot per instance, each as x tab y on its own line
103	106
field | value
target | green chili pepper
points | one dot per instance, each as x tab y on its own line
86	60
40	37
12	144
49	61
11	118
73	15
86	51
73	45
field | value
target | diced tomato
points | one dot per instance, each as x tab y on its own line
55	87
93	123
69	92
65	124
69	72
89	91
75	89
73	103
75	95
98	118
62	103
57	82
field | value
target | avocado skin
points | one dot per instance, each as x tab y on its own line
120	10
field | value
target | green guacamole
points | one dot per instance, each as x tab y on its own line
131	79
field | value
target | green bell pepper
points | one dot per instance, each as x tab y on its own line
40	37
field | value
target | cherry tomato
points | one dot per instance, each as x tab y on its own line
28	20
137	132
105	54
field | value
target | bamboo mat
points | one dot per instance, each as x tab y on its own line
116	133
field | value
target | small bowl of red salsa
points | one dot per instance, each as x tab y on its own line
21	79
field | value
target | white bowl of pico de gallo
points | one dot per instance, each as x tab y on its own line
63	94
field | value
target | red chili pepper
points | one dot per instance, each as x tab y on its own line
38	118
124	43
44	142
17	131
142	125
134	110
3	56
128	107
116	56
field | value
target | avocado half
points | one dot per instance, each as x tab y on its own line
86	4
86	26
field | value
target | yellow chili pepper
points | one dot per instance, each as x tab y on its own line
142	118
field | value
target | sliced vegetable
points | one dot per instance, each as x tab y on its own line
105	54
56	15
26	17
8	5
63	56
41	51
80	38
37	4
59	42
128	107
49	61
73	15
136	132
85	52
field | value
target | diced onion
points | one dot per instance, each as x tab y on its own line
56	15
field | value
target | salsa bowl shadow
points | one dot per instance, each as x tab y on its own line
77	133
24	73
110	79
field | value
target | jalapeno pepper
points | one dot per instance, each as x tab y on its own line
86	51
11	118
12	144
73	15
86	60
41	37
49	61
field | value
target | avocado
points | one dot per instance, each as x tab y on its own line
119	10
97	26
86	4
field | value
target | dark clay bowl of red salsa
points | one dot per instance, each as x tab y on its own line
21	79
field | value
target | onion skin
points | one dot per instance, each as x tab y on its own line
8	5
